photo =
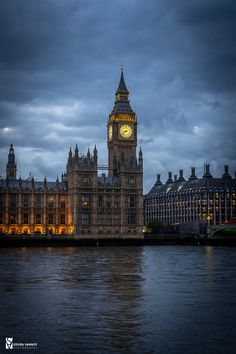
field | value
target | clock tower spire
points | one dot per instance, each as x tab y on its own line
122	104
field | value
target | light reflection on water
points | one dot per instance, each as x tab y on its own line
157	299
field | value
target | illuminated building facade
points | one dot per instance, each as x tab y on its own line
83	203
208	199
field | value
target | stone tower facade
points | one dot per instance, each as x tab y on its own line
122	158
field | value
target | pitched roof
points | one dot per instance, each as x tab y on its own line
122	86
193	186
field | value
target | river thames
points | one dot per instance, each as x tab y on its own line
147	299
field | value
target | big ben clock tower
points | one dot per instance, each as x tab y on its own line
121	131
125	168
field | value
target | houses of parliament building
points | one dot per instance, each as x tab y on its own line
82	203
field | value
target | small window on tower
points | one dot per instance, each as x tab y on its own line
50	202
38	201
85	217
50	218
85	180
85	199
132	181
13	200
25	218
38	218
13	219
26	200
63	219
100	199
131	201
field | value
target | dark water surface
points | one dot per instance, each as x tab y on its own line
151	299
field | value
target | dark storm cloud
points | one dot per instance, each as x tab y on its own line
59	67
211	25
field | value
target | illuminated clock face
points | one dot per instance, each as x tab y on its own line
126	131
110	132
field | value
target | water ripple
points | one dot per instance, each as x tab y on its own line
120	299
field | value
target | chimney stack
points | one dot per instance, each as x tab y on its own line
193	174
226	172
170	180
207	173
181	176
158	181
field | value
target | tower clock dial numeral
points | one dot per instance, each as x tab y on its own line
126	131
110	132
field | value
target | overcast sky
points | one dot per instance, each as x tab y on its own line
60	66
